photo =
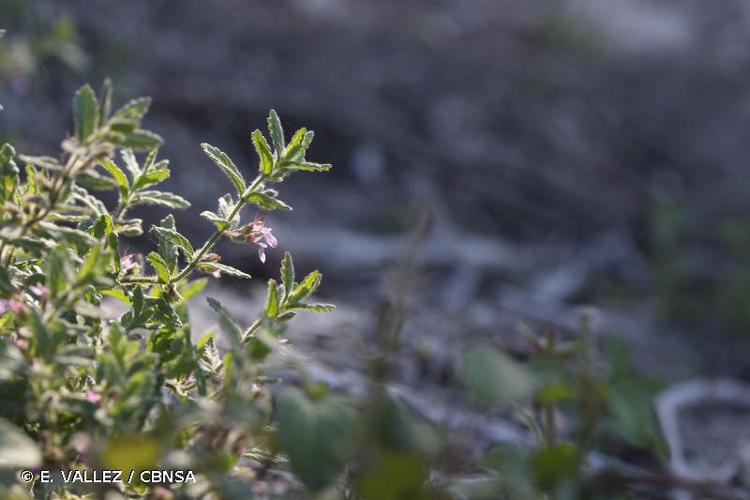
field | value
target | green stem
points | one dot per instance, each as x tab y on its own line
209	244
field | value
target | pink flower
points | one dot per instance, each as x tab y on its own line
93	396
258	233
40	291
12	304
128	262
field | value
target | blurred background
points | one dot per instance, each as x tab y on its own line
565	158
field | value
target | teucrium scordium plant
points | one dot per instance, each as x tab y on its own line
134	391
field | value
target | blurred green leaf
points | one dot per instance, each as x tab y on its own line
16	448
316	435
86	113
493	377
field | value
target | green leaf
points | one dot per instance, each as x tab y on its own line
119	176
86	113
313	307
190	290
272	300
295	148
305	288
176	238
57	279
17	449
131	163
143	140
226	322
309	167
151	178
6	286
102	227
105	100
166	248
230	271
554	464
266	202
64	233
120	129
90	266
287	274
264	152
129	227
162	198
162	271
226	206
132	452
226	165
43	162
493	377
316	435
214	219
8	173
92	202
133	110
276	131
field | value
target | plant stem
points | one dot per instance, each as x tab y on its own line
550	419
209	244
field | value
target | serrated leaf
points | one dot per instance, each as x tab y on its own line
118	175
119	129
214	219
151	178
70	234
230	271
129	227
266	202
226	165
309	167
166	247
295	148
226	322
287	274
276	131
162	271
142	140
86	113
226	206
264	152
176	238
131	163
91	179
306	287
161	198
133	110
92	202
211	359
272	299
313	307
105	100
44	162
